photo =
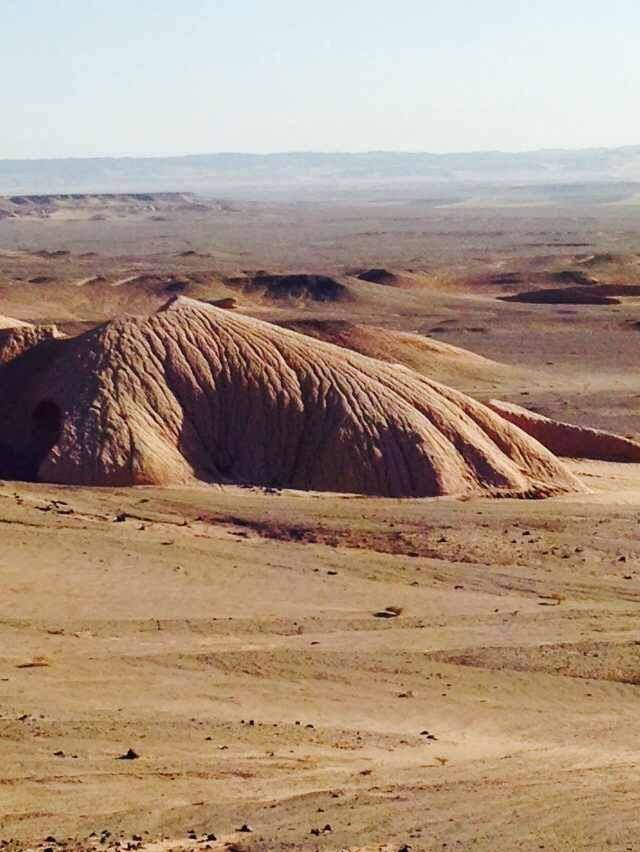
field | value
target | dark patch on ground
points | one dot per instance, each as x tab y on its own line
317	288
378	276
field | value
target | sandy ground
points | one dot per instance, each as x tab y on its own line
230	638
240	642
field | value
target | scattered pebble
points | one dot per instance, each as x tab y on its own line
129	755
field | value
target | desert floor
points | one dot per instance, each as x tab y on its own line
239	641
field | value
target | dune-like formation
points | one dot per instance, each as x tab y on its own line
433	358
198	392
567	440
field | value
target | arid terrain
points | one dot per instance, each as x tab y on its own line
231	665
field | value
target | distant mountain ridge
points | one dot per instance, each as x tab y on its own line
243	173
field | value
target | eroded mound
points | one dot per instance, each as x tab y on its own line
567	440
574	276
199	392
16	341
315	288
433	358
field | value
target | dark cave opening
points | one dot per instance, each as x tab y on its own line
23	462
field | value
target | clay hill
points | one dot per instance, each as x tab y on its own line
194	391
566	439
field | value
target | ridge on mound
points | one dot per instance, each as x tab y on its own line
10	322
197	392
433	358
567	440
14	342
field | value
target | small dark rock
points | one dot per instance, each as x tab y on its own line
129	755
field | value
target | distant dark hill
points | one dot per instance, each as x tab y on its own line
378	276
316	288
96	206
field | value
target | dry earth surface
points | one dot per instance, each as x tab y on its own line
333	671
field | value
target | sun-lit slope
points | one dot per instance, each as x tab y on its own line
566	439
198	392
10	322
433	358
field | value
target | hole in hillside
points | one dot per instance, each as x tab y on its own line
22	462
46	422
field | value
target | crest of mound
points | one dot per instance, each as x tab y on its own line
433	358
10	322
567	440
15	341
198	392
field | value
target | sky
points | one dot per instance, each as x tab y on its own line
83	78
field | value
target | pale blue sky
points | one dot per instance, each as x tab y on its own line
155	77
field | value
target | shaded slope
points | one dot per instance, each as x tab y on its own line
314	288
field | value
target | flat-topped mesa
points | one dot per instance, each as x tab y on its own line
196	392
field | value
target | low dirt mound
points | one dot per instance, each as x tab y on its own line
315	288
433	358
378	276
42	279
564	296
608	259
566	440
229	303
199	392
607	661
574	276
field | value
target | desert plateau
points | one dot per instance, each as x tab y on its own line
319	517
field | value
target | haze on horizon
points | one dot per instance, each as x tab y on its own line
156	79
